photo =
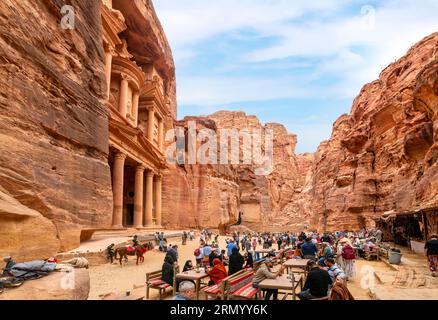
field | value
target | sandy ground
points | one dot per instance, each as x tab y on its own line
106	279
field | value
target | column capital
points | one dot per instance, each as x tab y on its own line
120	155
140	167
159	177
124	76
150	174
150	109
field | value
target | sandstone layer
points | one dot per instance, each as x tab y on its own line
53	126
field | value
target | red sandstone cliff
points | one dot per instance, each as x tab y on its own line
383	155
210	195
53	127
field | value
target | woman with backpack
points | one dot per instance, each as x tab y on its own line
347	256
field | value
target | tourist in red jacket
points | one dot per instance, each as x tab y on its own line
217	273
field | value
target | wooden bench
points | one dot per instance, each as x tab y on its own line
153	281
240	287
218	290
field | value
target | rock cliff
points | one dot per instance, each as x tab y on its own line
196	195
383	155
53	127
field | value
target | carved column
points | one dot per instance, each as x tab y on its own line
151	118
138	196
118	177
158	186
160	134
149	198
123	100
108	66
135	98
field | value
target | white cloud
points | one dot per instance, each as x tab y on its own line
343	50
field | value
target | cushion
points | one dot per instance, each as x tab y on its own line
247	291
240	278
214	289
156	283
241	281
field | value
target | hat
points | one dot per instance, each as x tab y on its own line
7	258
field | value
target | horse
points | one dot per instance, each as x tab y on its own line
138	251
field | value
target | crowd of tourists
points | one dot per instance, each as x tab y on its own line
331	259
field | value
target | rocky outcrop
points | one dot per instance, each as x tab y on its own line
383	155
213	195
53	126
198	196
73	285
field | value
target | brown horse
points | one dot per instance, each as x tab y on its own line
138	251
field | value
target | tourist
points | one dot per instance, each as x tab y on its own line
188	266
110	253
309	249
198	256
230	246
326	252
254	243
213	255
317	283
157	238
249	260
174	250
279	242
325	238
184	238
135	242
167	271
335	272
206	250
8	267
217	273
223	257
236	262
264	271
346	251
186	291
431	248
163	245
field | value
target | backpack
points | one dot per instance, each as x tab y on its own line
197	252
348	253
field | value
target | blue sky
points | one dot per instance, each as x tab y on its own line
299	63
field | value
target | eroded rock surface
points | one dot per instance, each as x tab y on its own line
383	155
53	123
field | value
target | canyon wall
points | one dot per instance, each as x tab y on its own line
383	155
54	175
196	195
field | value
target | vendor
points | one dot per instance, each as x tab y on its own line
9	264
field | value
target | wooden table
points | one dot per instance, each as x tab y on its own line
194	276
284	283
296	263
